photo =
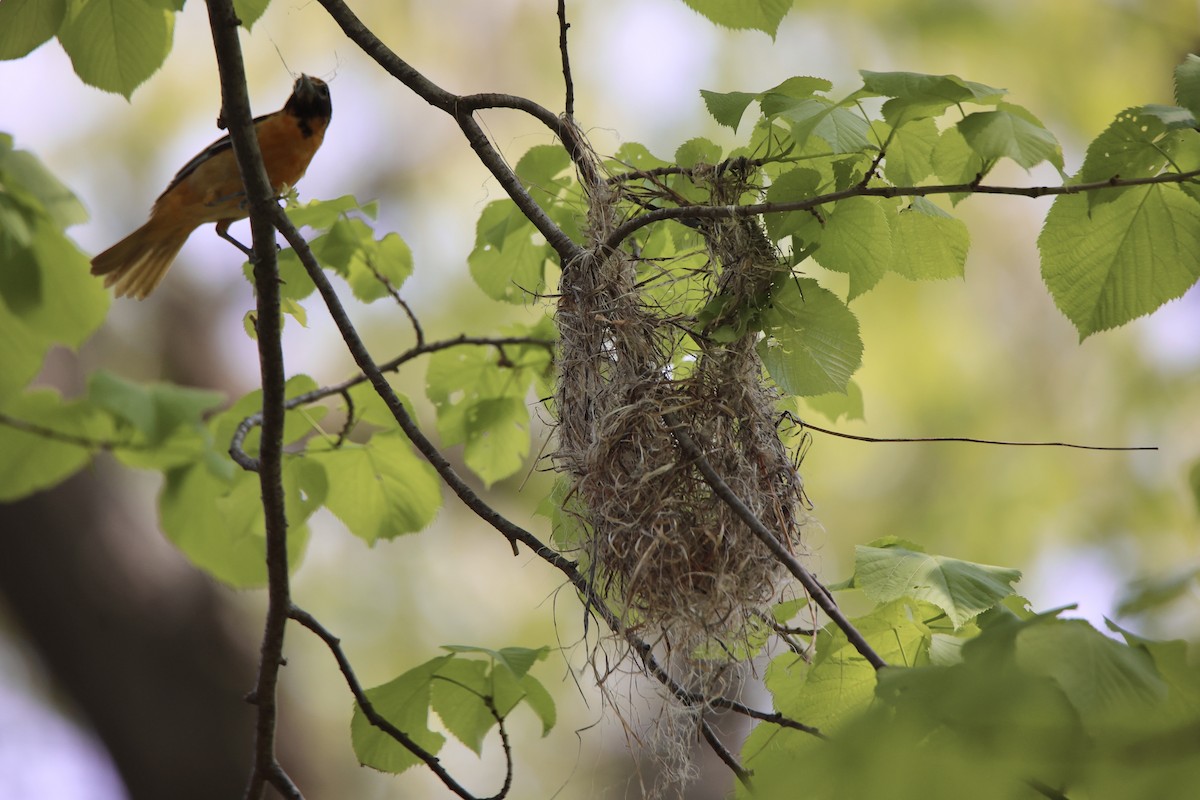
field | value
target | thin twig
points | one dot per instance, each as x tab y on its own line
235	111
368	708
418	332
814	588
237	443
625	229
563	26
723	753
67	438
462	108
966	439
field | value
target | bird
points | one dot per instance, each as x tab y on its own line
209	189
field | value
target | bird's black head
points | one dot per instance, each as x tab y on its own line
310	99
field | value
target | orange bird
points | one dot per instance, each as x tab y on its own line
209	189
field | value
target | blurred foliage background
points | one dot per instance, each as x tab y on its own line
988	357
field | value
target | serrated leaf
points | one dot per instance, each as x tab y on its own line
404	702
155	410
248	11
1120	260
381	489
540	165
23	172
509	259
26	24
790	187
115	45
727	108
762	15
1010	132
844	130
1099	676
481	403
31	461
960	588
1132	146
1187	84
812	345
927	243
909	150
856	239
697	151
540	701
217	521
954	162
321	214
916	95
457	691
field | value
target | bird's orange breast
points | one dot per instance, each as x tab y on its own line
212	191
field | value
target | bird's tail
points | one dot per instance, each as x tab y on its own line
135	265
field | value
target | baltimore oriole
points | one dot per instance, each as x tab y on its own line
209	189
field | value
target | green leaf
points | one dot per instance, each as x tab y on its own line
1187	84
404	702
321	214
298	422
381	489
960	588
761	15
457	691
248	11
217	519
955	162
909	150
1101	677
844	130
1133	146
793	186
31	461
1153	593
857	240
928	243
727	108
481	403
812	345
915	95
25	24
1122	259
25	176
115	45
540	165
509	259
540	702
1010	132
154	410
697	151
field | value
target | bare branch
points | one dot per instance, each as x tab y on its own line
814	588
235	111
966	439
723	753
563	27
462	109
374	717
625	229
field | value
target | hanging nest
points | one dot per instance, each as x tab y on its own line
668	555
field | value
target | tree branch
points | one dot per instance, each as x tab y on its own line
235	110
378	720
627	228
814	588
563	27
723	753
462	108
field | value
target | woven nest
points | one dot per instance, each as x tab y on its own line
669	555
